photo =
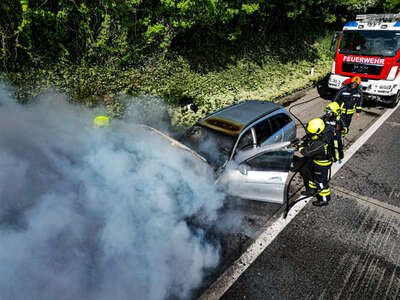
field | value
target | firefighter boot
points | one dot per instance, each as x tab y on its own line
323	200
320	203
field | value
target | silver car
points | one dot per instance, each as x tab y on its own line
246	144
259	174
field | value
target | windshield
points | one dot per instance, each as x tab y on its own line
213	145
371	43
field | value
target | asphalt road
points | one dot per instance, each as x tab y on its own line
348	250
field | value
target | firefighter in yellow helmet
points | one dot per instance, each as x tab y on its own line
350	99
316	160
101	121
332	118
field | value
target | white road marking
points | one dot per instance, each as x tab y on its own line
278	223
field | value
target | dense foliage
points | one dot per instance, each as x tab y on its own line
128	32
206	49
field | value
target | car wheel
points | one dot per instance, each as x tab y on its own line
394	100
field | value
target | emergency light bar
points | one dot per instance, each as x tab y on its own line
378	17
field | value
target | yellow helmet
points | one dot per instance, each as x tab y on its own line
333	106
101	121
316	126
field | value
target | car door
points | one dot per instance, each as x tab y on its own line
264	132
283	128
259	174
276	128
287	127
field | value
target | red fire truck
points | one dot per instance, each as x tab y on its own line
369	48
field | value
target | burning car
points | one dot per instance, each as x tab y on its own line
246	144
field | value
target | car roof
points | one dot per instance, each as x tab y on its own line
234	118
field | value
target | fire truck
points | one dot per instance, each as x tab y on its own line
369	48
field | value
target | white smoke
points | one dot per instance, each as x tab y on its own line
90	213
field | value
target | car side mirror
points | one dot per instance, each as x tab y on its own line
243	169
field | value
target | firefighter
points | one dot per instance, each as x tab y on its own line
332	118
350	99
101	121
316	161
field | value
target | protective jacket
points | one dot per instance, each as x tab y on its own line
319	149
350	100
335	122
339	128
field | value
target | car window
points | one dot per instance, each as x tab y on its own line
271	161
263	131
278	121
246	141
213	145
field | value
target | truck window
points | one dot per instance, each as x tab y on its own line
370	42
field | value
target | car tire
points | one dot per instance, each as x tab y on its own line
394	100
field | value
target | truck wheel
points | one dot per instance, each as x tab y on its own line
395	100
329	93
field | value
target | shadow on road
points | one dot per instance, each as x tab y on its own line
323	90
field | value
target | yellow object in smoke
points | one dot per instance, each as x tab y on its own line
101	121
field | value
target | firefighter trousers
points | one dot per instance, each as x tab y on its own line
315	177
347	120
320	181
